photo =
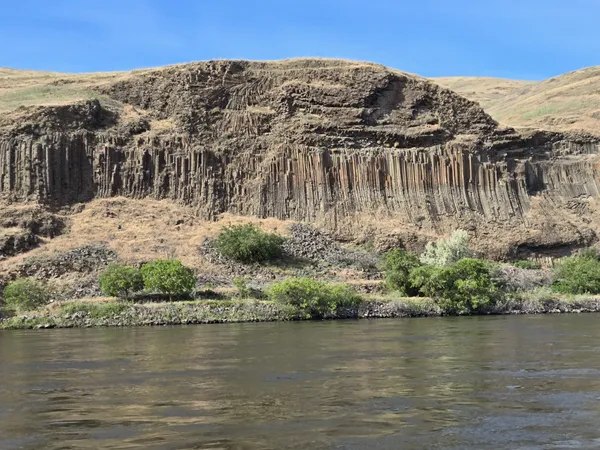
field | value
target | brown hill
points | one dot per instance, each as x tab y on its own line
486	91
357	149
567	102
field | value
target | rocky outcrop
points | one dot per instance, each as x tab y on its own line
356	148
82	260
15	242
33	219
22	227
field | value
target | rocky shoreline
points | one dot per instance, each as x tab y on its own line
114	314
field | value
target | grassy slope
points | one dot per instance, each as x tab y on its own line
141	230
485	90
564	103
30	88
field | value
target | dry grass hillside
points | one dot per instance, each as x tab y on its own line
567	102
486	91
32	88
141	230
138	231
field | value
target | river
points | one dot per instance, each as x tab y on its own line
528	382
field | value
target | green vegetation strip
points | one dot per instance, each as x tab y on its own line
78	314
445	280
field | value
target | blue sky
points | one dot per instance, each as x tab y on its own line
524	39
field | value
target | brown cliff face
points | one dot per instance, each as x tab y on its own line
357	148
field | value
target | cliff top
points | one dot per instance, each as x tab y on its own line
324	102
23	88
564	103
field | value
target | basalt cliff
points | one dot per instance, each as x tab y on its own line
354	148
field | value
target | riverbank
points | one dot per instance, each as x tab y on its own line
85	314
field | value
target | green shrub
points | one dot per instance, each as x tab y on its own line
168	277
397	265
525	264
313	299
120	281
448	251
244	290
464	288
578	275
420	279
25	294
249	244
590	253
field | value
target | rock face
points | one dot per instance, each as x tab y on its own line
82	260
16	242
356	148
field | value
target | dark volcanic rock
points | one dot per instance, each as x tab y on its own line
89	115
83	260
306	242
18	242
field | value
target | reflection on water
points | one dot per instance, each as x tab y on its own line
466	383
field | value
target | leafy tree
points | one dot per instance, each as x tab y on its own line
168	277
25	294
447	251
249	244
313	299
578	274
120	281
397	266
465	288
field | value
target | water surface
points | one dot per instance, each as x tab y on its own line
462	383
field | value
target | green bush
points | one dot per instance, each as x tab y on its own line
25	294
525	264
313	299
590	253
467	287
420	279
244	290
397	265
446	252
120	281
249	244
578	274
168	277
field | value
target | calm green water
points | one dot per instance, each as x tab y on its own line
467	383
